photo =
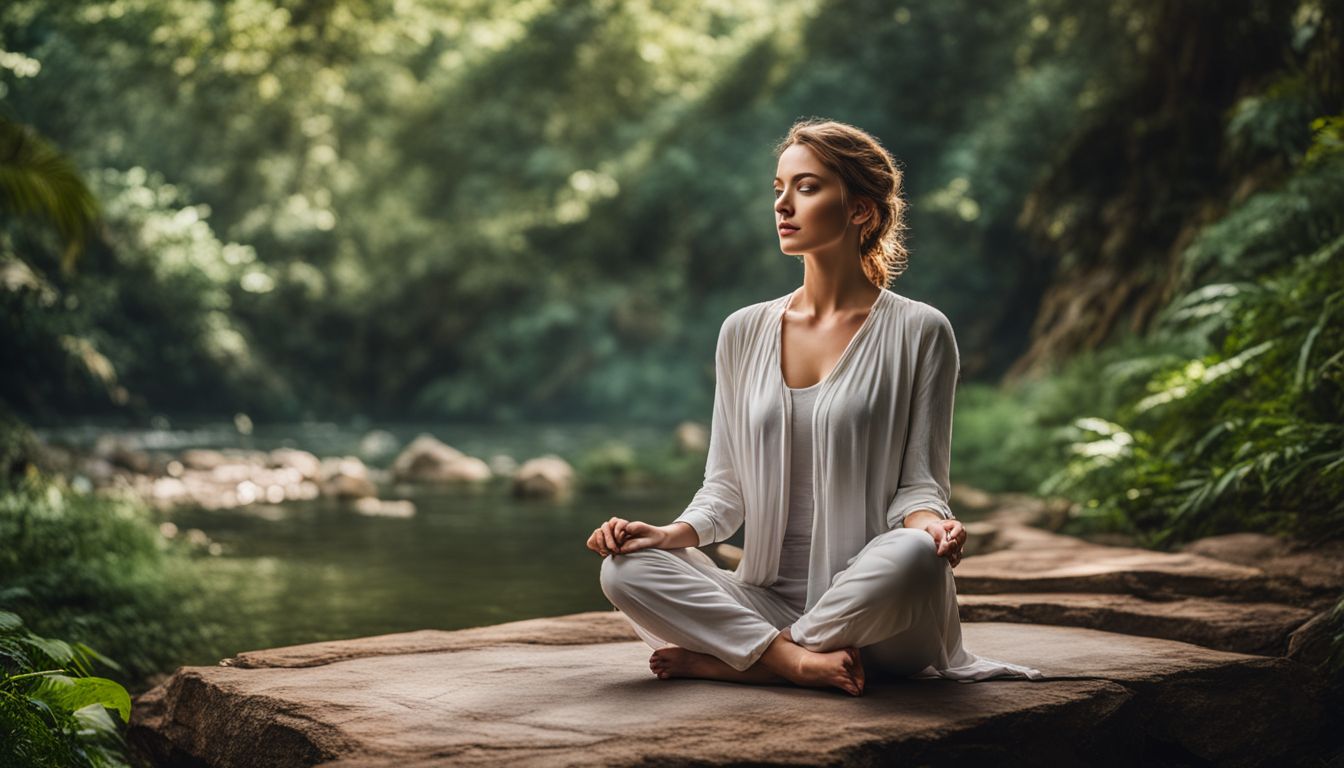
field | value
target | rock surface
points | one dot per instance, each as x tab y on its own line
1032	560
429	460
575	690
1320	569
546	476
1157	687
1262	628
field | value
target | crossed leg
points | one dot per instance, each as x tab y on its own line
809	667
721	627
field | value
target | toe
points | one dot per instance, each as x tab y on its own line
857	671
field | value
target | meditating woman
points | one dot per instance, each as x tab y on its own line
830	440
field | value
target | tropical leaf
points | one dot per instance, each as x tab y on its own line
37	180
74	693
9	621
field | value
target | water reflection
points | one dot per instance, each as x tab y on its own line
317	570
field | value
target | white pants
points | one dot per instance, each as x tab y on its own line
892	602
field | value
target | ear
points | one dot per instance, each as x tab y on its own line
863	211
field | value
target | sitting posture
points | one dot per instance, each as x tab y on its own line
830	441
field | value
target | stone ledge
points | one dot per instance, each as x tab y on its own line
1260	628
495	695
1032	560
571	629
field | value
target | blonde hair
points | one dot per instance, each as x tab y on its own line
868	171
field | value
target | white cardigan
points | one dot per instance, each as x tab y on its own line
882	435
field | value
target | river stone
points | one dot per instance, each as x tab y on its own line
425	459
692	438
545	476
1263	628
574	690
346	477
122	454
308	465
375	507
467	469
203	458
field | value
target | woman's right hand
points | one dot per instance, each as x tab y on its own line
618	536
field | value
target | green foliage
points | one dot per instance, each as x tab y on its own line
1245	431
53	711
1274	121
608	466
95	567
616	465
166	305
1271	229
999	441
38	181
1327	139
461	210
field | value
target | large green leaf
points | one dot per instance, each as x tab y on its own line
9	621
37	180
59	651
83	650
75	693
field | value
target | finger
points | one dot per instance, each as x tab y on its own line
958	532
621	527
608	537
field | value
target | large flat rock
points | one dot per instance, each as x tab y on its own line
1032	560
574	691
1318	567
1261	628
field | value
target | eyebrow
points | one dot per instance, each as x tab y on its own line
798	176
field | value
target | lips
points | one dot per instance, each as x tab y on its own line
787	229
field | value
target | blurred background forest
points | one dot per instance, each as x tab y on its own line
274	212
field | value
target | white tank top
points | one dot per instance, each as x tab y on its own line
797	547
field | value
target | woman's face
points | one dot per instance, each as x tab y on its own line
807	200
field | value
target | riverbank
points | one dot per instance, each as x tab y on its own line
1127	678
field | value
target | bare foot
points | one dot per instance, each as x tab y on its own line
841	669
673	662
857	669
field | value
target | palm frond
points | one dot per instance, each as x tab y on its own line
37	180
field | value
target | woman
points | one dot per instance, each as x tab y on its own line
830	440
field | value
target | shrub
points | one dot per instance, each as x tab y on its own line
53	711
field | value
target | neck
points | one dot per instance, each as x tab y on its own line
828	289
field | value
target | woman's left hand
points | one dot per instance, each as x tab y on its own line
949	536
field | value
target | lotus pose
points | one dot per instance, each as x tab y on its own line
830	441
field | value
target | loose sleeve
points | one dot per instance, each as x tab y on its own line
927	457
716	510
